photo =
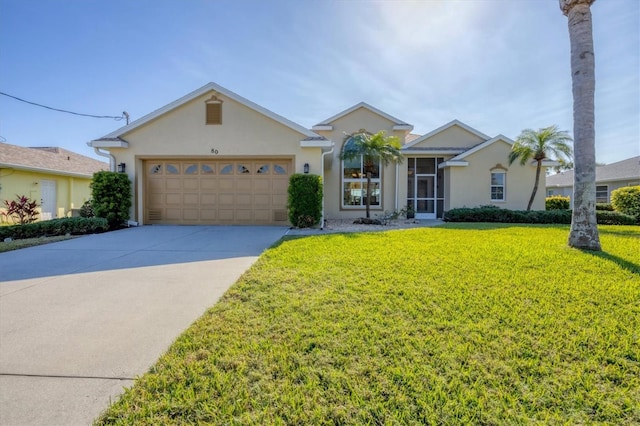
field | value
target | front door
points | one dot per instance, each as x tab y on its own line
48	199
425	187
425	201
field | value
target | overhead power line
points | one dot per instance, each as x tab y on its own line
122	117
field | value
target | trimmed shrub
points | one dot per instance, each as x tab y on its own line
614	218
50	228
87	209
604	207
484	214
111	194
557	202
305	200
627	200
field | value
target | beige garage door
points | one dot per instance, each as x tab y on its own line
251	191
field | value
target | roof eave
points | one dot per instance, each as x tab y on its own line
108	144
45	170
435	152
453	164
326	143
322	127
403	126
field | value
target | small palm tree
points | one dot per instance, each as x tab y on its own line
374	150
537	145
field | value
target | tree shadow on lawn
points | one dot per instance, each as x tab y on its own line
488	226
635	233
634	268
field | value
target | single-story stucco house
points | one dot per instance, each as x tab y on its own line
214	157
55	178
608	178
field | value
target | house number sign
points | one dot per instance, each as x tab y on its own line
214	151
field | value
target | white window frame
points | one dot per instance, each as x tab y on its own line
607	191
503	186
362	179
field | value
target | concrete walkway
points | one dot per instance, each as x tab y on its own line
80	319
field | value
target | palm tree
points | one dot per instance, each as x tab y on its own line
374	150
584	227
537	145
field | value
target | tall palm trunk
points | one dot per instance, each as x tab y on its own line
535	185
584	228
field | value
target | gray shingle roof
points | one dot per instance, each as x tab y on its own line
51	159
628	169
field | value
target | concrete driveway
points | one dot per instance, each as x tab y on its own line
80	319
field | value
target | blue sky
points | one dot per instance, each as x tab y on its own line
498	65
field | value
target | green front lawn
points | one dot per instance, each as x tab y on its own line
30	242
460	324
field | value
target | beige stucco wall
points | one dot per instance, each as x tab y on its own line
71	192
470	186
453	137
361	118
182	133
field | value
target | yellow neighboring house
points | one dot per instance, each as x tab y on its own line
55	178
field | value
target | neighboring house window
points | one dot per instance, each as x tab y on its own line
354	182
214	110
498	186
602	194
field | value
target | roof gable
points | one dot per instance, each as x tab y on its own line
49	159
482	145
210	87
397	123
444	128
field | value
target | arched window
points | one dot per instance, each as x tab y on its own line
354	179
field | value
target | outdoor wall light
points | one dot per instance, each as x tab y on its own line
306	168
122	167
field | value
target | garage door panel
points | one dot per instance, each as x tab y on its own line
280	186
190	184
207	199
244	215
173	214
216	191
262	200
191	214
173	183
227	200
208	183
191	199
243	185
225	215
208	215
156	200
155	185
243	199
173	198
262	186
279	201
262	215
226	184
